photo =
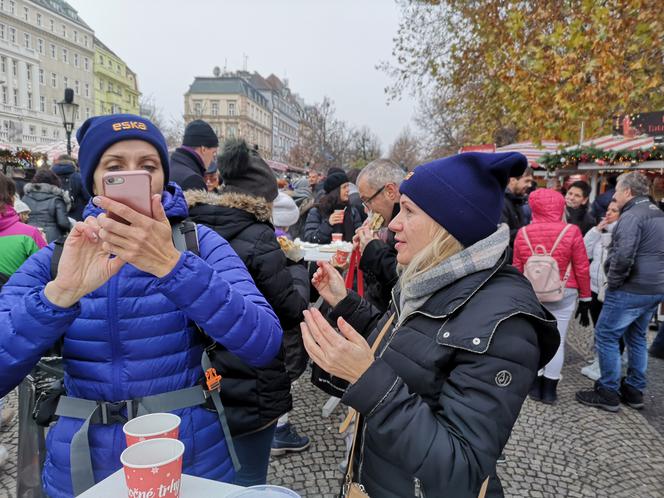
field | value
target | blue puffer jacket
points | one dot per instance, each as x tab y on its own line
130	338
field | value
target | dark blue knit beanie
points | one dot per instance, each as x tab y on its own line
100	132
464	193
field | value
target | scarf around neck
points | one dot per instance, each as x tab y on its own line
482	255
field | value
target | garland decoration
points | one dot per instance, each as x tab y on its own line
569	159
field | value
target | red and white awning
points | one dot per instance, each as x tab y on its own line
283	167
277	166
617	142
532	151
56	149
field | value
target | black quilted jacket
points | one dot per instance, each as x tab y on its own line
439	403
252	397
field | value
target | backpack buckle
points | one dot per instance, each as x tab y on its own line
212	380
111	413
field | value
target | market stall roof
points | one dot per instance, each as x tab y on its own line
283	167
56	149
277	166
617	142
533	151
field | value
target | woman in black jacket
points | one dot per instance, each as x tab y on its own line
254	397
333	213
440	397
48	204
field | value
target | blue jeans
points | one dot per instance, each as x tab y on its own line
253	451
624	315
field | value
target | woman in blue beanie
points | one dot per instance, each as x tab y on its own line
126	303
456	352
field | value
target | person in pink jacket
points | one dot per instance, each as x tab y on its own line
548	207
18	241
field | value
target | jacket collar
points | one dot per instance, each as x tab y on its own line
190	159
449	299
633	202
256	206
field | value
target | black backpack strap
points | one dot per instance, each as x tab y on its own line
185	237
58	246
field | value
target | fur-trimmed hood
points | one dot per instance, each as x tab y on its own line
257	206
42	191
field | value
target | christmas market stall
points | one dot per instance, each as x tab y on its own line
610	155
24	159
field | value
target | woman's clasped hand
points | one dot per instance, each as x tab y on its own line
346	355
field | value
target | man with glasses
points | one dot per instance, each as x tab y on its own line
190	161
378	184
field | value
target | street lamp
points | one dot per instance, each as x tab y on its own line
68	112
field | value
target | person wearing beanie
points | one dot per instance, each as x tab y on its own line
254	398
459	347
190	161
212	178
130	309
284	213
332	213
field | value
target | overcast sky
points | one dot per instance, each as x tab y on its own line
324	48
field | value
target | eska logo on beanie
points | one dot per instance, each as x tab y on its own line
129	125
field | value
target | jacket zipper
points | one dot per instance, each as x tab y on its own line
115	340
380	355
419	493
400	322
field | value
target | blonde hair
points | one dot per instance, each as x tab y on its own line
442	246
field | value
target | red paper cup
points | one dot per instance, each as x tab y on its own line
153	468
337	237
340	257
151	426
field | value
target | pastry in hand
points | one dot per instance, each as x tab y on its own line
376	222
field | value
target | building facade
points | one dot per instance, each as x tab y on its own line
115	85
45	47
285	113
233	107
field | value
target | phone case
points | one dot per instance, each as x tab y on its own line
131	188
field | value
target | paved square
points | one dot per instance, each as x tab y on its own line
565	450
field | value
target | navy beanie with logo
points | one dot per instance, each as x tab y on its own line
464	193
98	133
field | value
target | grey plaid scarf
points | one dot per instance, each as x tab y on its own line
482	255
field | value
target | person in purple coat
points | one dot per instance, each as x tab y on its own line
126	303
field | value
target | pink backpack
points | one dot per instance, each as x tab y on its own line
542	270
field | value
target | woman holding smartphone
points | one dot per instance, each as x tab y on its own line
458	349
126	303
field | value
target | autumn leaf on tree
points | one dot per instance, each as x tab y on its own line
540	67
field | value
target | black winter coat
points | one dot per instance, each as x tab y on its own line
49	206
379	265
187	170
71	178
635	261
317	228
512	214
580	217
253	397
439	402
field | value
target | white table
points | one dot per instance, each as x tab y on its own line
192	487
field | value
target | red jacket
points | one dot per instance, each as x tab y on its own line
548	207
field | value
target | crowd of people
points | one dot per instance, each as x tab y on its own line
472	276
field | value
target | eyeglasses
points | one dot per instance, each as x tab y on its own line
370	199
